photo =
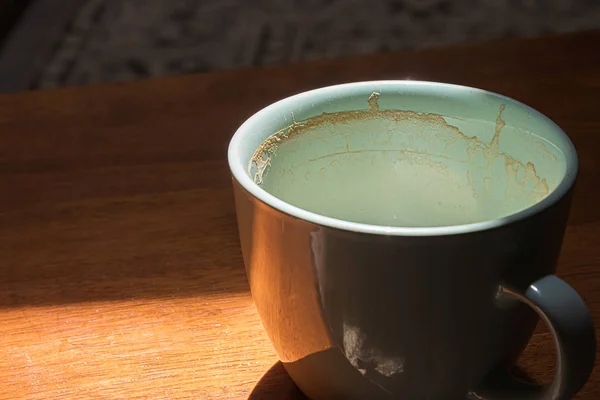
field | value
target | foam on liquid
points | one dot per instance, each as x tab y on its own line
394	168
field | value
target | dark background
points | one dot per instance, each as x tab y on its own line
54	43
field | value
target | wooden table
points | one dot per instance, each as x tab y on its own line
120	270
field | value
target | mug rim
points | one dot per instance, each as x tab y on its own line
240	174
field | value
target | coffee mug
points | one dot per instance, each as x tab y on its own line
400	240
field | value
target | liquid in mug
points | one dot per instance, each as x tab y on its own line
399	168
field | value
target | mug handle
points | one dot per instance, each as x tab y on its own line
570	323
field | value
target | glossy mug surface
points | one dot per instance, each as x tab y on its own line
400	239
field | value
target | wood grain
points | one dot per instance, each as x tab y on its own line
120	270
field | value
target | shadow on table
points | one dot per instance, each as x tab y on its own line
276	384
93	261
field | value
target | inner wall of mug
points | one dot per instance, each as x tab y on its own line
411	157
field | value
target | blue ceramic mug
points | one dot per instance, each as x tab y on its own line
400	240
